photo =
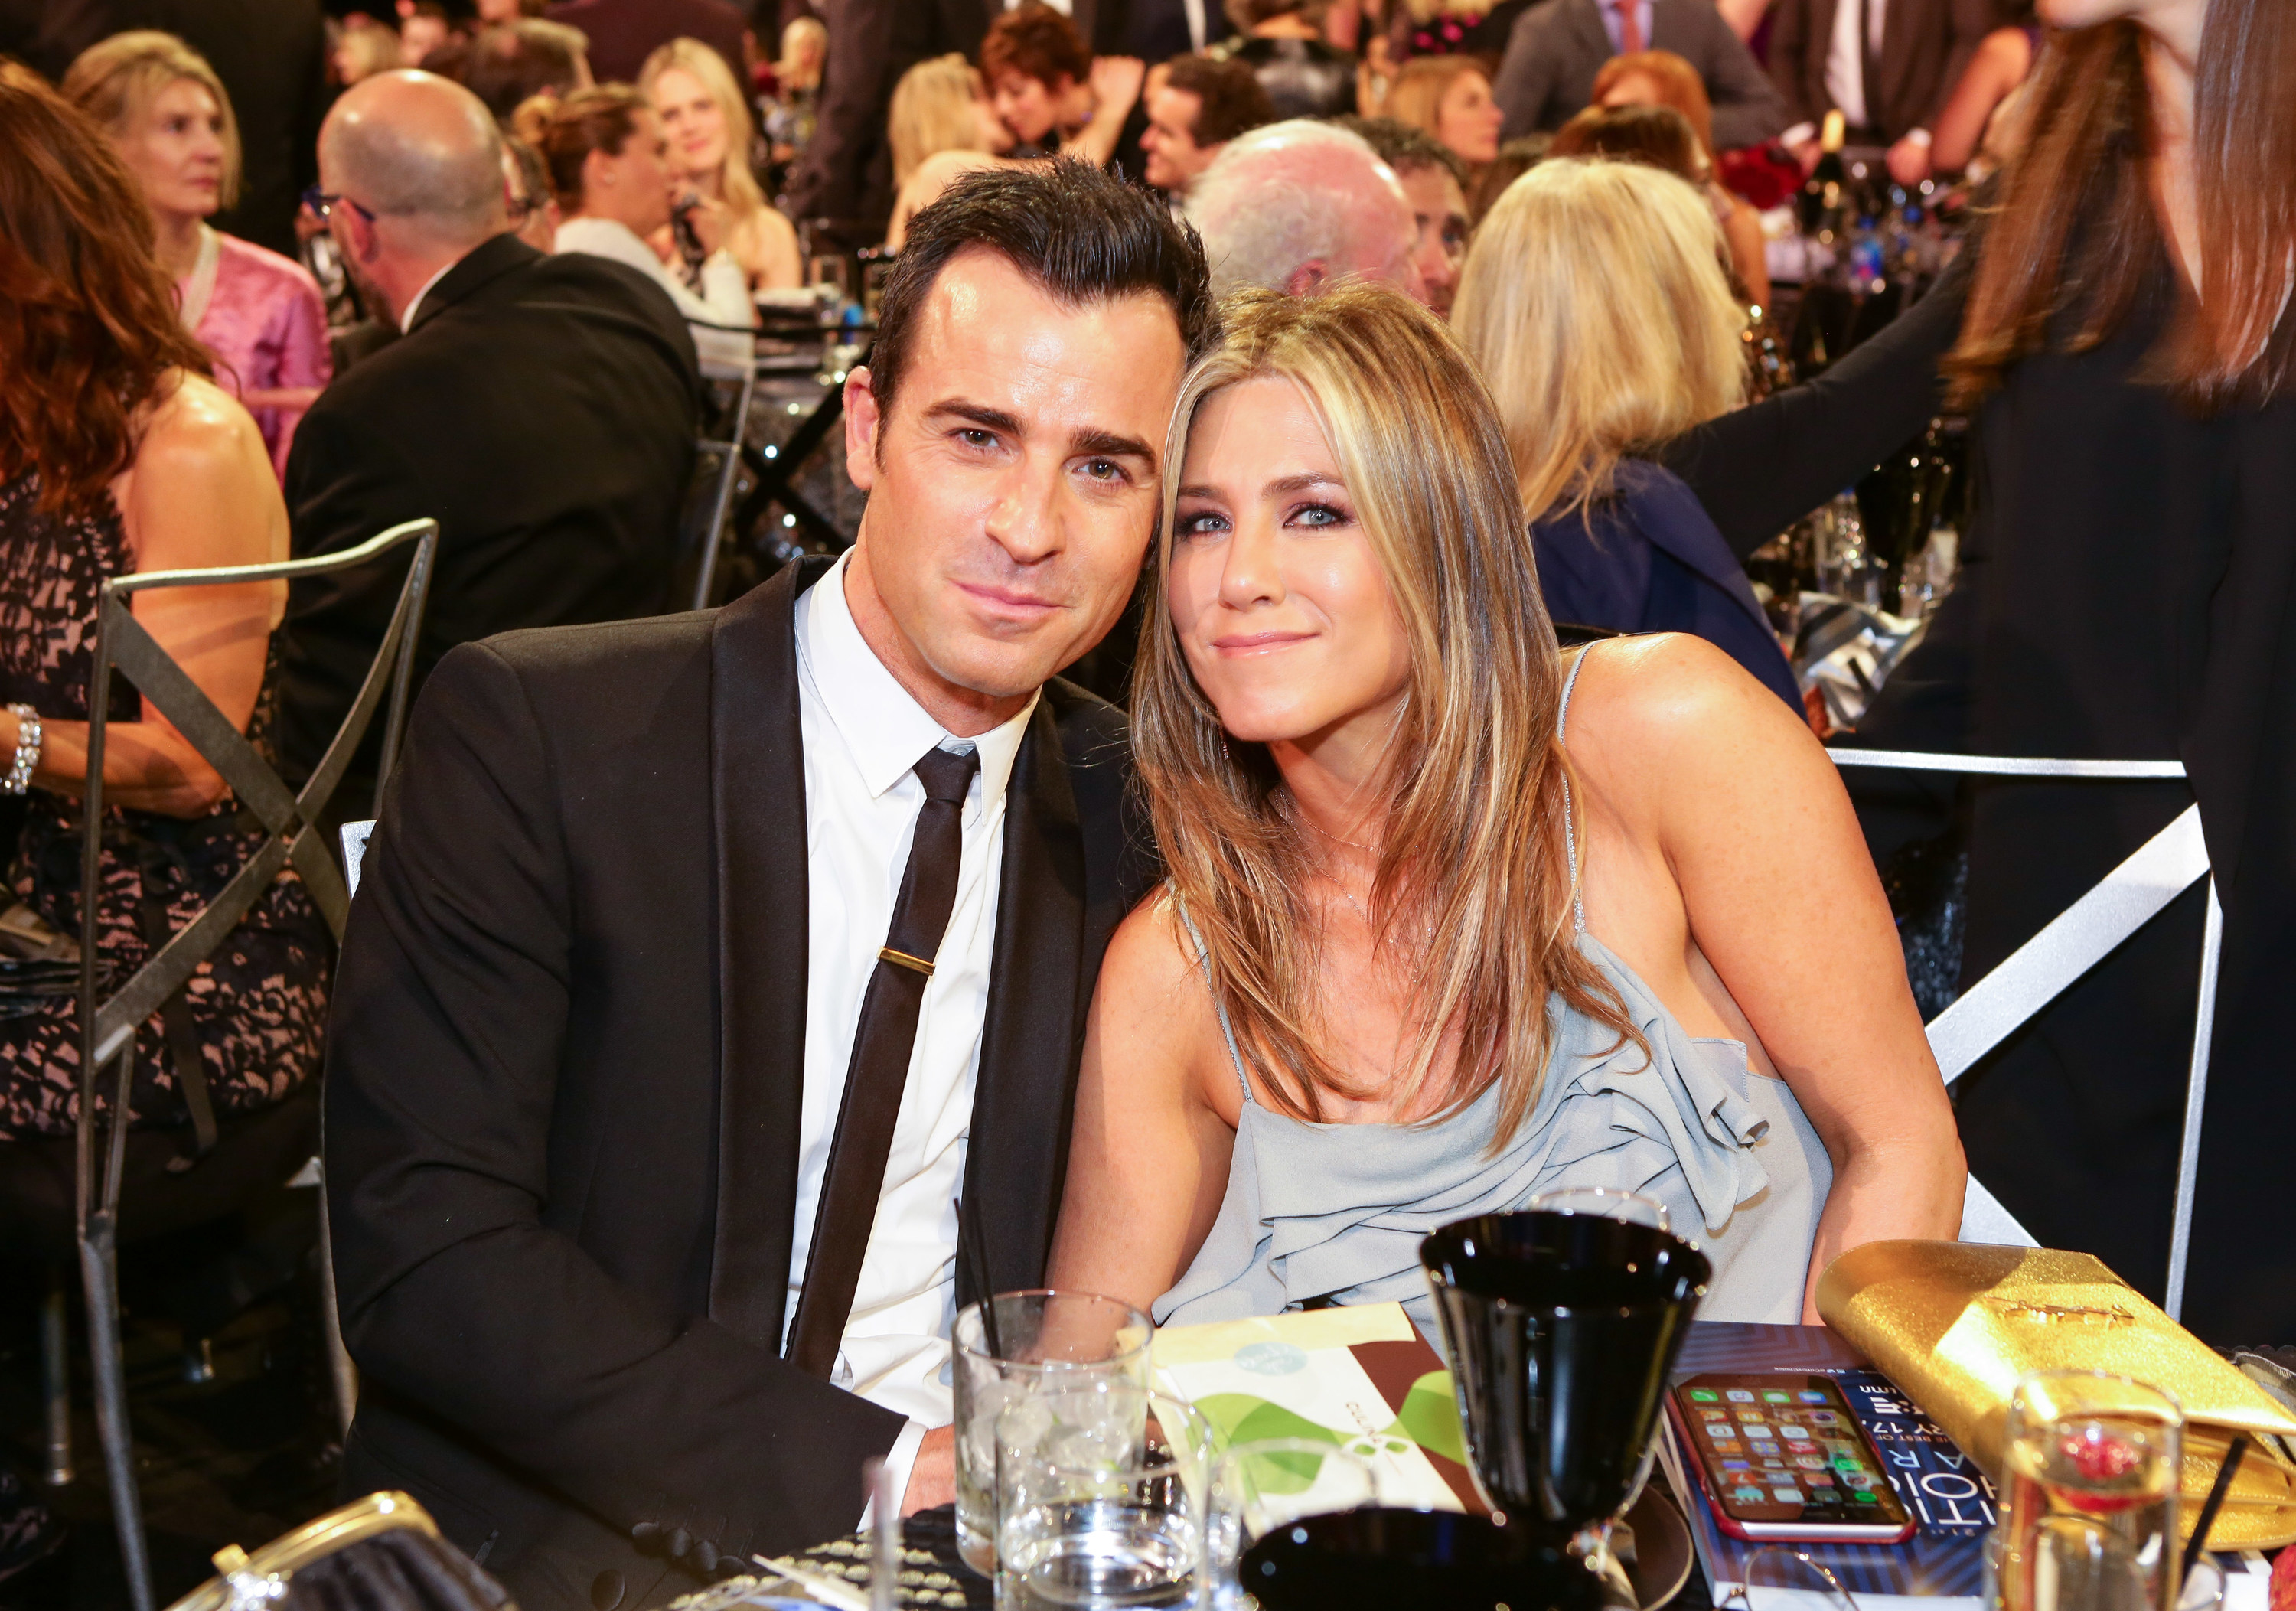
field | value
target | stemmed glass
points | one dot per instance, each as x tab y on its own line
1561	1329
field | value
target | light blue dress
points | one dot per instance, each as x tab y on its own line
1337	1212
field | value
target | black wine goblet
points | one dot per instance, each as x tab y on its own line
1562	1329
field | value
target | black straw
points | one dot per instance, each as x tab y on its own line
976	1267
2215	1501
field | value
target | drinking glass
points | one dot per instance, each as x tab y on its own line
1053	1342
1259	1486
1604	1202
1780	1577
2089	1522
1561	1329
1404	1560
1100	1500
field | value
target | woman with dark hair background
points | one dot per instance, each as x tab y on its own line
117	454
2126	593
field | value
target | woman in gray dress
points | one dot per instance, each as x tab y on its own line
1454	917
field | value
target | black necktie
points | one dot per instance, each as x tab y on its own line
887	1033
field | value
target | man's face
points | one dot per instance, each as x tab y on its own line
1169	140
1438	208
1012	485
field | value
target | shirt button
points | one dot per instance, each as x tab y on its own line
606	1591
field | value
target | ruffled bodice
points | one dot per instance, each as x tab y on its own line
1338	1210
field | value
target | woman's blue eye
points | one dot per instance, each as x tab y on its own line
1319	514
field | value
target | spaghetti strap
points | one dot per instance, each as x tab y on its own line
1203	963
1570	815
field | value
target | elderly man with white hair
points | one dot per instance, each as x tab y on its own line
1301	205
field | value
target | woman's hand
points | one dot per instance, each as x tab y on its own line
711	221
1115	85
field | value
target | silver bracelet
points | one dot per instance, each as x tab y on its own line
28	751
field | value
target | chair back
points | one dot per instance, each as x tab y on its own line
709	494
2072	943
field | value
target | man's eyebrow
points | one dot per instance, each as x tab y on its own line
1111	444
980	413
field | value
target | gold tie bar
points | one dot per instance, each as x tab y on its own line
915	965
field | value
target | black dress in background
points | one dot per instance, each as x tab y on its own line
2125	595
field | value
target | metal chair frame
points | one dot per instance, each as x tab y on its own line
292	837
2072	943
721	498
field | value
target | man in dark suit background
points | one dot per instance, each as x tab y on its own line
1557	46
648	1093
1888	66
543	409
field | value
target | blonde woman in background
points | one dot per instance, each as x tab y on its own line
363	48
707	123
942	125
260	315
1454	917
1449	97
796	103
1595	302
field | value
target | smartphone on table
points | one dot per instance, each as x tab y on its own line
1783	1458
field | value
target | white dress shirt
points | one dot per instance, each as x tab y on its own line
863	734
1845	56
725	299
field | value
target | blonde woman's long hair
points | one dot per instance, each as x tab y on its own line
1472	902
1595	302
737	186
932	112
115	81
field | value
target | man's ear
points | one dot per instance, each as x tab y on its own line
862	419
1306	280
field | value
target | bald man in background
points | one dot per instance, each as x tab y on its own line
543	409
1300	206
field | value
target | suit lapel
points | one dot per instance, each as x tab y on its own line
1593	36
756	781
1022	1099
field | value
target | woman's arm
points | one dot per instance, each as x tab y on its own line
1115	83
767	248
1748	251
200	495
1148	1156
1736	802
1999	66
1760	468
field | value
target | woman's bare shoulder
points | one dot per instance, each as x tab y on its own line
1668	705
193	423
201	490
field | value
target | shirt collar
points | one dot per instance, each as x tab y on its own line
415	302
884	729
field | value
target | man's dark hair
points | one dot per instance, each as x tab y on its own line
1232	101
1081	234
1403	148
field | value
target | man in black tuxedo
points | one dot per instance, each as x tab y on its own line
1888	66
1556	48
542	408
699	962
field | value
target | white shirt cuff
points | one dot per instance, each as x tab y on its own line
898	1458
1919	136
1798	134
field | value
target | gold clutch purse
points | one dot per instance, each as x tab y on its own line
1957	1325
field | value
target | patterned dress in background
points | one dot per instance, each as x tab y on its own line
258	1007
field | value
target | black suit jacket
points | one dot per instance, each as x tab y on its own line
1557	46
544	410
565	1078
1925	46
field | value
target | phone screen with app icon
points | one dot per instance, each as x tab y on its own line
1784	1456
